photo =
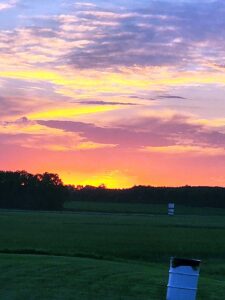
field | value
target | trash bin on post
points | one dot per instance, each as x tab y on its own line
183	279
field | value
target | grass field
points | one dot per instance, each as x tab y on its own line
86	206
98	256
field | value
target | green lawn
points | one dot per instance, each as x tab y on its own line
106	256
53	278
42	277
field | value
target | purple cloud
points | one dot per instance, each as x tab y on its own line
171	97
146	132
99	102
124	137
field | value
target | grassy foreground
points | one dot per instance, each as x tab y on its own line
34	277
105	256
42	277
57	278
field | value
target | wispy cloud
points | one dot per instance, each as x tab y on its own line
8	4
187	150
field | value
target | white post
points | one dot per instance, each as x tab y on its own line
183	279
171	209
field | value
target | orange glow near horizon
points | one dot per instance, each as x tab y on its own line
110	179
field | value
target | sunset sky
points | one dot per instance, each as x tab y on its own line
121	92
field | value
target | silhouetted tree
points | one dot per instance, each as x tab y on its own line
21	190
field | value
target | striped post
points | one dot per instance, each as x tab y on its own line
171	209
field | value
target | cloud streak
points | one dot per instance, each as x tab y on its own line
100	102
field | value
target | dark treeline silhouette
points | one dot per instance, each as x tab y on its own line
187	195
21	190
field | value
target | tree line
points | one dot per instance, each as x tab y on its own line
22	190
200	196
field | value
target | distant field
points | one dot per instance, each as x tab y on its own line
105	256
139	208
